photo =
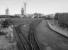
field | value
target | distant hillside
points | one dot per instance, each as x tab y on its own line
7	16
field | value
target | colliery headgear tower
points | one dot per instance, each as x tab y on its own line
23	10
7	11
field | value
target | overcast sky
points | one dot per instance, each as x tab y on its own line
40	6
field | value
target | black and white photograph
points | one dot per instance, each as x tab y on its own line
33	25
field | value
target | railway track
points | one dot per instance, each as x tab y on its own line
22	42
30	42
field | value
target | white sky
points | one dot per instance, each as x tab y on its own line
40	6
